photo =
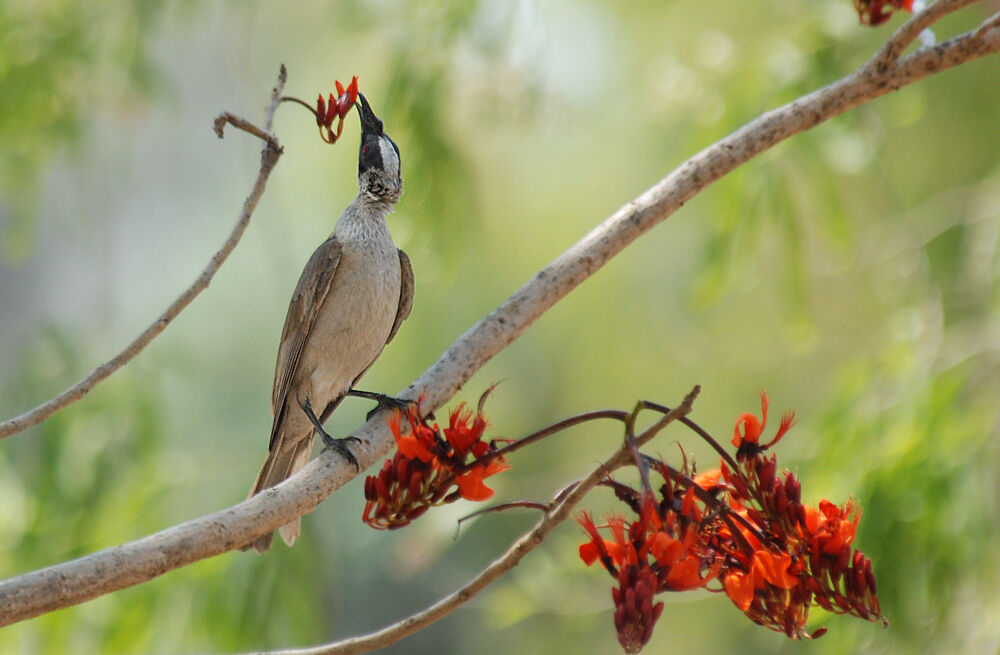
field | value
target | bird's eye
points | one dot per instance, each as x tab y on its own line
364	149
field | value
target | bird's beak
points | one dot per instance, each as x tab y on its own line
370	123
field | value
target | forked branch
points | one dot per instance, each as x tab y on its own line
269	157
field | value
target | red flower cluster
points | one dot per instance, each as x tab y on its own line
428	463
663	550
336	107
744	525
876	12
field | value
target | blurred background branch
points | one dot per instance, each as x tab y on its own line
269	157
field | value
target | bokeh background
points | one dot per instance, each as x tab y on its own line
852	272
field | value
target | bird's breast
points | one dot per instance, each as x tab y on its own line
355	319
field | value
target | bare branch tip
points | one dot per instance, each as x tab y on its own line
220	125
688	403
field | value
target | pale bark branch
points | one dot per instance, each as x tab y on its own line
911	29
75	581
557	512
269	157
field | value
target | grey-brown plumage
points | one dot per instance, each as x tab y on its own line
352	296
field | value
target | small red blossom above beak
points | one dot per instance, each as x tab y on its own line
337	107
876	12
431	467
334	109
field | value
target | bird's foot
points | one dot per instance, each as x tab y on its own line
329	443
384	401
338	446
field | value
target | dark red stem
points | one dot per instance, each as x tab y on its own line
311	109
709	439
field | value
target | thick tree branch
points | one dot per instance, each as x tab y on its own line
558	511
108	570
269	157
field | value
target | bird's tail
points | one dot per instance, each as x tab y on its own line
279	465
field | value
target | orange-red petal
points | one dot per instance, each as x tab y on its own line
414	448
739	588
470	485
685	575
773	569
709	479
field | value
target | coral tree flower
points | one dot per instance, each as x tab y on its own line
745	526
661	550
746	435
337	107
635	613
431	467
876	12
807	557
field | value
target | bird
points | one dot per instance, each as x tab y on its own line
352	296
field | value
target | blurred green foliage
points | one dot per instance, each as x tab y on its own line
61	62
852	272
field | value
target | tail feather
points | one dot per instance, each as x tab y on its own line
280	465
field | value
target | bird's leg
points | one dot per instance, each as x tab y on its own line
328	441
384	401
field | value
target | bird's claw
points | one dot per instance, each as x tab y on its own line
389	402
338	446
384	402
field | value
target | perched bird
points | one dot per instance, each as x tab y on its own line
350	300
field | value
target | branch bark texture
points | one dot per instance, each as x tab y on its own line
115	568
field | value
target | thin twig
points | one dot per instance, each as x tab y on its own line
889	53
304	104
272	151
79	580
700	431
501	507
246	126
556	514
617	414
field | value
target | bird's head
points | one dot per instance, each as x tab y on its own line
378	159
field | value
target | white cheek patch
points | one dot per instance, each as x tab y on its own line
390	160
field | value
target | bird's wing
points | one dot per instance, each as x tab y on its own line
405	294
311	291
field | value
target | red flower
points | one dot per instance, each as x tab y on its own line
431	467
610	553
346	97
739	586
831	529
743	523
336	108
749	438
635	614
470	484
876	12
414	445
464	436
647	556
